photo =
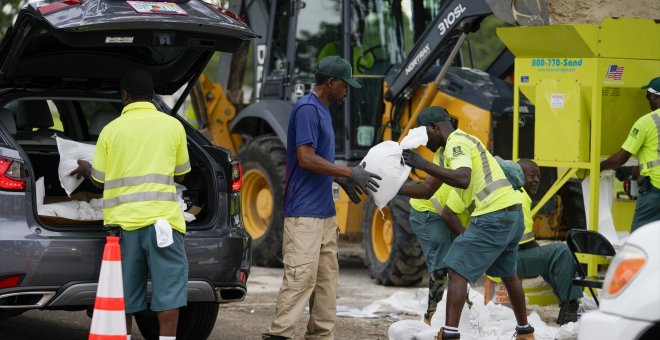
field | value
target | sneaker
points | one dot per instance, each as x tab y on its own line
570	312
526	333
445	336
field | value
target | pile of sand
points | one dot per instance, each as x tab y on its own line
594	11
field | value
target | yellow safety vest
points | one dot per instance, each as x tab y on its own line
489	189
439	199
643	142
528	234
422	205
136	157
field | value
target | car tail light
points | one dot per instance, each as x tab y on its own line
623	270
59	5
11	177
229	14
236	176
242	276
10	281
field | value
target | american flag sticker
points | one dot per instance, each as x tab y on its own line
614	72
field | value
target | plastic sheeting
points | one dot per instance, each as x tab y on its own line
605	219
487	322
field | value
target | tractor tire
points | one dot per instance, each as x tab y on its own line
393	254
196	321
262	197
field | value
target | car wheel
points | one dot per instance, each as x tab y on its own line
262	197
196	321
393	254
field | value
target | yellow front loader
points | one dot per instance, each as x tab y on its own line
406	54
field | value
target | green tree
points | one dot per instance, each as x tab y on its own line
8	11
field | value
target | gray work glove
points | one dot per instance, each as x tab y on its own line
414	160
364	179
351	189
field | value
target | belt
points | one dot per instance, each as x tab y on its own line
515	207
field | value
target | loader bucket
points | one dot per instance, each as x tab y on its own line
521	12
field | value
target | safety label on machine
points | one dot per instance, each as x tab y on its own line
557	100
561	65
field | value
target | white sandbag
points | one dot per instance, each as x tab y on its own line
70	152
68	209
385	160
40	190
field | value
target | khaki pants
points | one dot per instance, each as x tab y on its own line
310	276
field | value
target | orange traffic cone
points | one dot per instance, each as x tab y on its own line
109	318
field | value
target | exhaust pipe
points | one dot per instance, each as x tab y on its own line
231	294
25	300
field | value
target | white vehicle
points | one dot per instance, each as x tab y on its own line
630	304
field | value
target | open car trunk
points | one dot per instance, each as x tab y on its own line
35	122
44	158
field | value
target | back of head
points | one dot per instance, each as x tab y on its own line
138	84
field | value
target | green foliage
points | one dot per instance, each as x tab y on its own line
8	11
484	44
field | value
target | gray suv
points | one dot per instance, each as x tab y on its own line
60	66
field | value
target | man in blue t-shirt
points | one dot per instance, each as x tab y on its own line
309	244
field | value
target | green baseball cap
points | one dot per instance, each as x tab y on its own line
653	86
432	114
337	67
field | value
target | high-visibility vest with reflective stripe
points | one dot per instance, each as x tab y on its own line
136	157
528	234
489	189
643	142
422	205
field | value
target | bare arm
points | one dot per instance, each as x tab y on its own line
179	178
83	171
453	223
459	178
615	161
309	160
423	190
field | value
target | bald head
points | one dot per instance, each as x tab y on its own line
532	175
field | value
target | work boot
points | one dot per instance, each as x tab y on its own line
428	317
272	337
569	311
525	333
444	336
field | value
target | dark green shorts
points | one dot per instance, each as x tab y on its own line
489	245
647	209
167	267
434	237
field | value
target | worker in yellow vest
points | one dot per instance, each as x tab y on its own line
643	142
137	159
552	261
428	198
490	243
